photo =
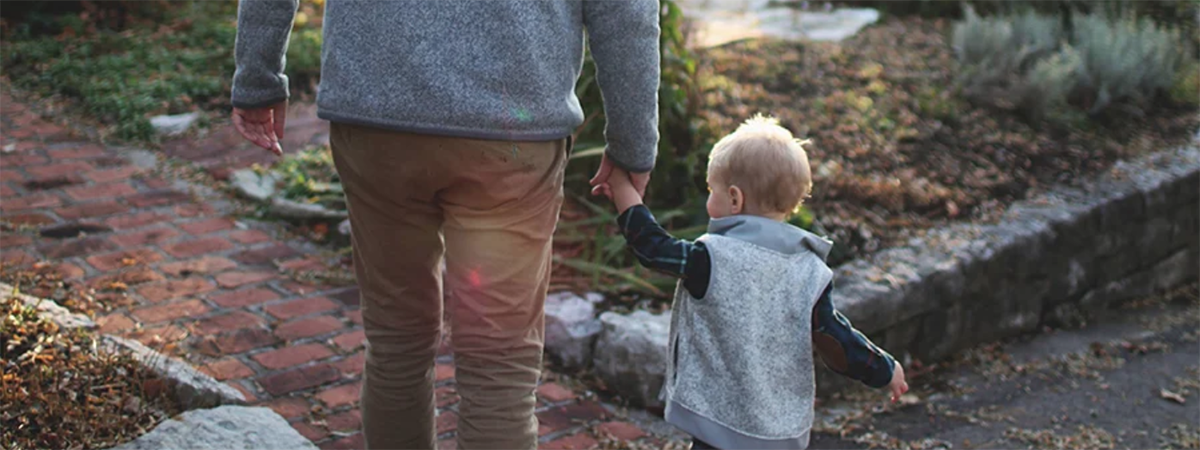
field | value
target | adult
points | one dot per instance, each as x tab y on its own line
451	128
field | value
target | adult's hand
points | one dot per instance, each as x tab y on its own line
600	181
262	126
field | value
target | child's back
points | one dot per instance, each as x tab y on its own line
741	375
753	300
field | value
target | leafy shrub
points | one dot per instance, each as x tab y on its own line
1125	58
309	176
679	170
304	59
1032	63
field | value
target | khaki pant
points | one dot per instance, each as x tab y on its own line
489	208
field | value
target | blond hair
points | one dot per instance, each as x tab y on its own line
766	162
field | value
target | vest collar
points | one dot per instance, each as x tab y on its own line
771	234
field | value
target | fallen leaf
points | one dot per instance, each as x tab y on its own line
1172	396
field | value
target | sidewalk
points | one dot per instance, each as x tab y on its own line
213	286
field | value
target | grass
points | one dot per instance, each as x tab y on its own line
178	63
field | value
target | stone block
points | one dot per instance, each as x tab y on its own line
222	428
192	388
571	329
631	355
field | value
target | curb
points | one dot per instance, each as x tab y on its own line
193	389
1129	232
1126	233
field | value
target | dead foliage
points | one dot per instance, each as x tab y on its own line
59	391
895	148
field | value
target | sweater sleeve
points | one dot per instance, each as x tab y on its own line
656	249
259	52
845	350
623	36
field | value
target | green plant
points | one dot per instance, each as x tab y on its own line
1125	58
1032	63
997	54
123	78
309	176
158	61
304	58
678	173
1185	90
676	188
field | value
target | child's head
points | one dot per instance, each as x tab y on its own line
760	169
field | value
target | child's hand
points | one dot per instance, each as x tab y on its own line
898	386
620	180
620	189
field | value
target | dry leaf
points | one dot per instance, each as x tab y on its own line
1172	396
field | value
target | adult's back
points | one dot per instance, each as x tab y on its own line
451	124
490	69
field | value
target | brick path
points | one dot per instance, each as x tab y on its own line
214	288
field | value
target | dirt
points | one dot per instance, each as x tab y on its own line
894	150
1125	380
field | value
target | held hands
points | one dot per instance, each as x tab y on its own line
620	189
898	386
600	181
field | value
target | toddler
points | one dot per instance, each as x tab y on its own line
753	300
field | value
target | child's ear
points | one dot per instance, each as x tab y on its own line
738	200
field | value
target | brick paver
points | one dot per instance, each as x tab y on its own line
180	274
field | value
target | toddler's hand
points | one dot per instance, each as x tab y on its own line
620	189
898	386
620	180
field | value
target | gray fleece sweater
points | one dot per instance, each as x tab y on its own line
486	69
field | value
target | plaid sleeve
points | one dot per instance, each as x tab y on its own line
847	351
656	249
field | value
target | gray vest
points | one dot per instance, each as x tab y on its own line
740	374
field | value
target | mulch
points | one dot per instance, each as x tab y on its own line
57	391
894	151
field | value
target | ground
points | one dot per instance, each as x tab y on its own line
894	149
1110	384
174	272
173	264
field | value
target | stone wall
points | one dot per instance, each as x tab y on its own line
1129	232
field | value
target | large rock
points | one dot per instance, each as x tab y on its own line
252	185
631	355
174	125
295	210
223	428
719	22
571	329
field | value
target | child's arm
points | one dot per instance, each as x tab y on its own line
653	246
846	351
